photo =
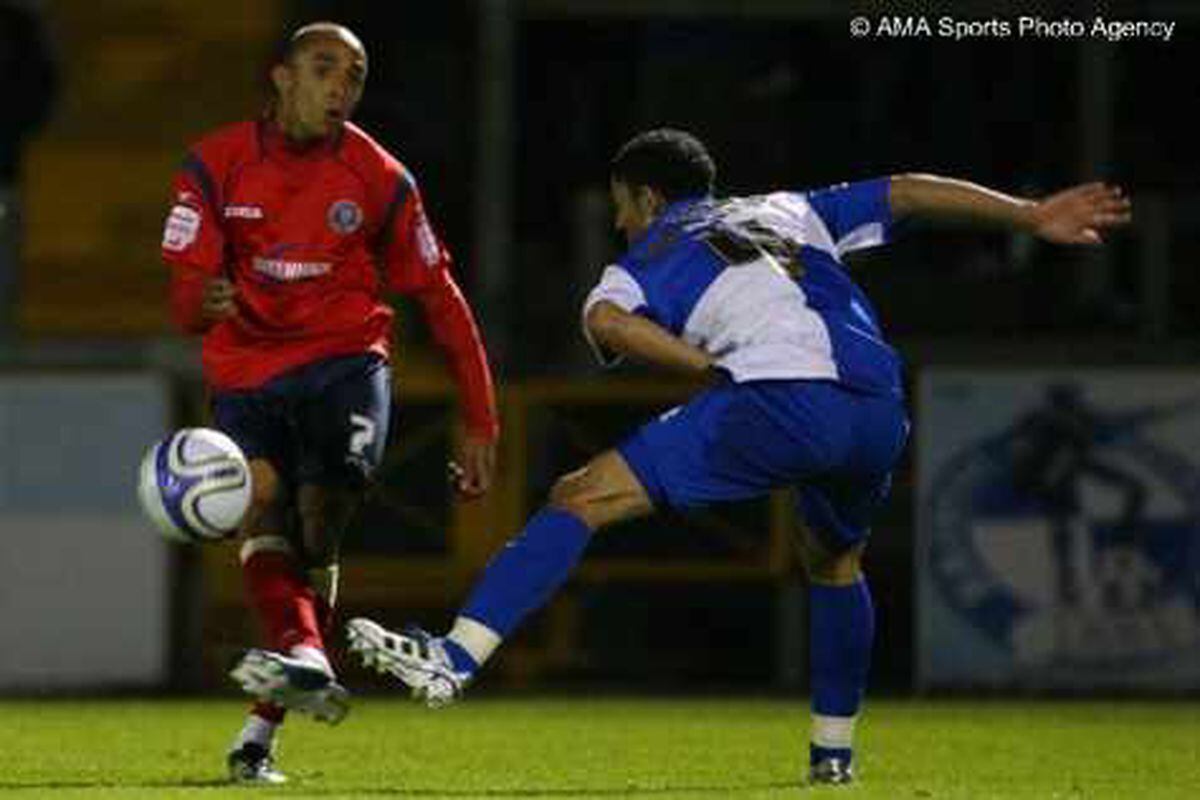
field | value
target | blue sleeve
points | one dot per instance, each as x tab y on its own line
857	215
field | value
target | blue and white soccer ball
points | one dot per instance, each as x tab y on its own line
194	485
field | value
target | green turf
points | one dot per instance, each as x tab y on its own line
608	748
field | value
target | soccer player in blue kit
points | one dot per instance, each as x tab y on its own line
806	392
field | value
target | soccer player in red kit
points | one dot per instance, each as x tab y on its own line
285	234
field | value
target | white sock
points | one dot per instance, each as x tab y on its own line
257	730
477	639
833	732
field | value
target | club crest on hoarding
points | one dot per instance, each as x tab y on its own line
1071	538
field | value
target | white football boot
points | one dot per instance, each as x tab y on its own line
834	771
414	656
253	763
294	683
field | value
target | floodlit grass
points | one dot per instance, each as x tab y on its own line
575	748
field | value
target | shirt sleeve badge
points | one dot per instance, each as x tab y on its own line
183	225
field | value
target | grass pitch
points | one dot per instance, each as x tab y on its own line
569	748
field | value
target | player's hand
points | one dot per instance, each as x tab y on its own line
218	300
1081	214
471	470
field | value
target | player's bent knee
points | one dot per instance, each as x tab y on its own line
570	493
569	490
602	493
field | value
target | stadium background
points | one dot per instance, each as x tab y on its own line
508	113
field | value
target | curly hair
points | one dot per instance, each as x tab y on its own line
674	162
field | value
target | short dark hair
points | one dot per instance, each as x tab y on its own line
284	50
672	161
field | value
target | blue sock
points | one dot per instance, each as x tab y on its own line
523	576
841	628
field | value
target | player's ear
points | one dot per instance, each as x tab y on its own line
281	78
651	200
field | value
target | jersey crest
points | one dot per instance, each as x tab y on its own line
344	217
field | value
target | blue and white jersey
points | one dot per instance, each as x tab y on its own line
758	283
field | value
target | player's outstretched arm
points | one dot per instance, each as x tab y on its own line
622	332
1081	214
1078	215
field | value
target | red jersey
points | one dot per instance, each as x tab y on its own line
312	238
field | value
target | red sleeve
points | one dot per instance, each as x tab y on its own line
187	295
414	257
453	327
193	244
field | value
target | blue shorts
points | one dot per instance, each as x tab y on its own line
325	423
739	441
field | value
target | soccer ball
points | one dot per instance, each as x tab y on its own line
194	485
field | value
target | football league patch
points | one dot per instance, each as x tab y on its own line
427	243
344	217
183	225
